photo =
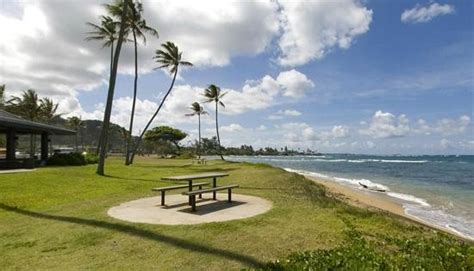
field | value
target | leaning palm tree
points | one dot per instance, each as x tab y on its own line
197	110
138	27
169	58
110	94
213	94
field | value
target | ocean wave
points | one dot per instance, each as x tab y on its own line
410	198
442	219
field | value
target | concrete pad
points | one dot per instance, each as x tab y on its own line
9	171
178	212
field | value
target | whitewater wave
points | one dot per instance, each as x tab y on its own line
409	198
413	206
438	217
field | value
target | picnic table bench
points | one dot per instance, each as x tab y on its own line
192	194
174	187
208	175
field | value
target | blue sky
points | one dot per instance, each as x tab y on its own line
336	76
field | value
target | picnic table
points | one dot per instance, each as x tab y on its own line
191	178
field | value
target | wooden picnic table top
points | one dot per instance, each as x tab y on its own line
196	176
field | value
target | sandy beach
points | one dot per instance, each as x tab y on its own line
373	200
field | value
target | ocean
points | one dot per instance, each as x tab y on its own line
436	189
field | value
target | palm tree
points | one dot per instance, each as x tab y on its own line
106	32
27	106
170	58
137	25
213	94
197	110
76	124
110	94
48	110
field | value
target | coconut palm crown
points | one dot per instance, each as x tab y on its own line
170	57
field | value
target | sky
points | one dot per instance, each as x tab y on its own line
345	76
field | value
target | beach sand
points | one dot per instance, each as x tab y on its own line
374	201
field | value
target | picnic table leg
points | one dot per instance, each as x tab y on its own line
193	202
200	188
190	189
163	198
214	185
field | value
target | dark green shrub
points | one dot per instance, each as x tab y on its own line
438	253
91	158
69	159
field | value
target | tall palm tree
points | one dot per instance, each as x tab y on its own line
169	58
214	94
106	32
110	94
76	124
197	110
138	27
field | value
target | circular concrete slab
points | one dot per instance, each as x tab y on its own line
178	212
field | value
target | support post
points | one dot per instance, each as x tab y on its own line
162	197
11	146
44	147
230	195
214	183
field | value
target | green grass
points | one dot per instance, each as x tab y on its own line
56	218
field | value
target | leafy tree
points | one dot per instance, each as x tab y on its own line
169	58
197	110
136	24
166	133
214	94
110	94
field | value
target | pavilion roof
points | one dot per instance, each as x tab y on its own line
10	121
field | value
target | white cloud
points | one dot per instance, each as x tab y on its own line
386	125
262	93
234	127
453	127
289	112
423	14
312	28
281	113
338	131
261	128
44	47
294	84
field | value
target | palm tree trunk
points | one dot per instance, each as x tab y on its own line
152	118
217	131
129	141
199	142
110	94
111	66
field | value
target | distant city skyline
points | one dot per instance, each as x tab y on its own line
349	76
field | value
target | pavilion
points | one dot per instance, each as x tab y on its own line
12	125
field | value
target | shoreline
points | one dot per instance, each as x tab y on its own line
372	200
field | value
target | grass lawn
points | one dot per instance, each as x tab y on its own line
56	218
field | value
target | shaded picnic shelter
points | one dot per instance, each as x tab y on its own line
12	125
